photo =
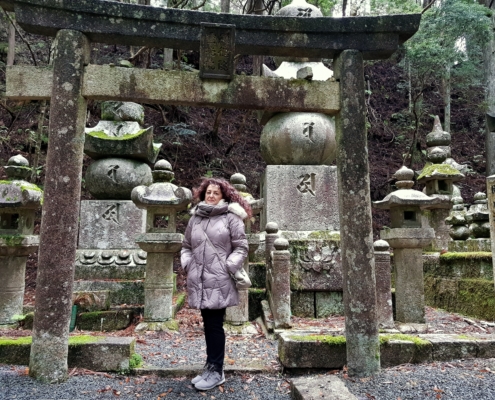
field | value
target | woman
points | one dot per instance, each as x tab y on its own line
214	247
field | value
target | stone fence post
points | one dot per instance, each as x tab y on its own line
271	235
383	284
279	295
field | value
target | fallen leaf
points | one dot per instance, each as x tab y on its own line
221	389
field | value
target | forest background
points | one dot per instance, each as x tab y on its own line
446	69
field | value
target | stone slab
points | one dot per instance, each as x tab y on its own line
376	37
319	387
299	350
117	292
104	321
451	347
300	197
106	354
106	224
470	245
296	352
147	85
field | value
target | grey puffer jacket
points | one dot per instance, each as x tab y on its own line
209	284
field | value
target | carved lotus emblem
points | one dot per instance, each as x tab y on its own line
319	260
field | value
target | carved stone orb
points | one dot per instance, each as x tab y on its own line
299	139
114	178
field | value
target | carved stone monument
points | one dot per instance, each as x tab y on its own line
108	259
299	190
407	237
161	200
19	201
439	175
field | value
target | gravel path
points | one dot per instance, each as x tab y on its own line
459	380
14	384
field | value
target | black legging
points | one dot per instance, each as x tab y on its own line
215	337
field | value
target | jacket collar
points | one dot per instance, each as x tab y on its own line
204	210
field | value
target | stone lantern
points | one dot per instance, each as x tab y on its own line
407	238
19	201
439	180
162	200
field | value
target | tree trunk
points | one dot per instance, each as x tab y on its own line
489	67
446	99
257	7
11	49
225	6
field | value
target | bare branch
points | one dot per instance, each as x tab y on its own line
22	37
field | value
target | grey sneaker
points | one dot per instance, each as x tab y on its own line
200	377
212	379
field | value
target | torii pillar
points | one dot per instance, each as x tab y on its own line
356	237
60	216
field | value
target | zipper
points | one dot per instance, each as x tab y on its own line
203	269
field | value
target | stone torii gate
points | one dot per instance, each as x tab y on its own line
72	82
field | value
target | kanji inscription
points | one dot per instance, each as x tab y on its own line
217	51
307	184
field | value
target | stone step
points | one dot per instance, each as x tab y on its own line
303	349
317	387
97	353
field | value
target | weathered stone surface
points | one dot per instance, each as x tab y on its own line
376	37
303	304
257	274
104	321
179	87
462	265
451	347
383	272
315	264
298	139
122	111
328	303
435	219
279	294
358	262
115	178
320	387
121	139
106	224
104	354
397	351
12	271
470	245
116	292
110	264
316	351
308	189
60	217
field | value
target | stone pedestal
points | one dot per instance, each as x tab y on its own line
409	284
159	282
279	296
435	219
297	197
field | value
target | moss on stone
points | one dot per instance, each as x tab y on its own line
135	361
384	339
444	169
466	337
326	235
73	340
12	240
479	255
103	135
15	342
328	339
84	339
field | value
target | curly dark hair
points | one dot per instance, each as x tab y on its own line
229	193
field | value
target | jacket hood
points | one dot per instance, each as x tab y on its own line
234	208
